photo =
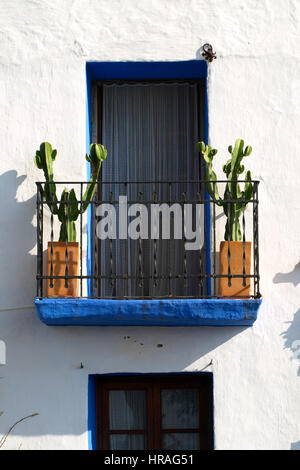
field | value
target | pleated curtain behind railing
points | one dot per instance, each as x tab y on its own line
150	131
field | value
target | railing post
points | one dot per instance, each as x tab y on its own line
81	193
244	239
39	231
214	243
255	241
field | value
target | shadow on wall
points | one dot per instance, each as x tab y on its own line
199	54
292	334
292	277
292	338
17	239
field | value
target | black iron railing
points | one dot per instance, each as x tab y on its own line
162	241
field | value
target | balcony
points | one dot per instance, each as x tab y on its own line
147	253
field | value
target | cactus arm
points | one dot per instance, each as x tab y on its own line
242	205
43	159
73	211
67	214
233	229
236	168
210	176
248	151
47	156
37	160
248	187
232	212
68	210
208	152
67	230
51	198
237	155
227	167
71	231
62	206
97	155
212	187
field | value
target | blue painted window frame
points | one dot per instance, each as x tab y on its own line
191	69
91	411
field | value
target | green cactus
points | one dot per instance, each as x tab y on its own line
44	159
68	210
97	155
233	168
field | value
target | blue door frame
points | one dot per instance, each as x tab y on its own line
190	69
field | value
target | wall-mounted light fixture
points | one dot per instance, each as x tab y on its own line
208	53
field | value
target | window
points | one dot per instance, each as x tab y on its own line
150	129
160	412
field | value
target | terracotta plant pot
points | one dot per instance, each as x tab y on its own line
59	269
237	289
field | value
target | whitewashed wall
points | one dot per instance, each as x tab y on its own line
254	93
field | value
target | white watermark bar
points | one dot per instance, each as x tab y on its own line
155	221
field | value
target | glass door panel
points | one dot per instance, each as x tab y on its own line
180	441
180	408
127	409
127	442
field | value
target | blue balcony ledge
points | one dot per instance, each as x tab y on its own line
166	312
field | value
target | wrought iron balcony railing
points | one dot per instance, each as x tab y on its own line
147	240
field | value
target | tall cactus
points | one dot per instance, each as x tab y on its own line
44	159
68	210
234	201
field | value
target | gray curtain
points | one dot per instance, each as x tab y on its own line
179	410
150	131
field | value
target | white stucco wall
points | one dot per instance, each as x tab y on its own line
254	93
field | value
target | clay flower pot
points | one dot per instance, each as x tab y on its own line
59	269
237	289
